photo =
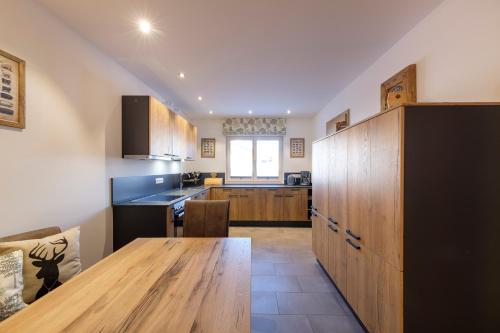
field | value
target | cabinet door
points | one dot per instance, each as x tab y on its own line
337	185
358	180
320	166
273	204
180	136
249	203
374	291
160	137
233	196
191	142
337	258
320	238
294	207
384	233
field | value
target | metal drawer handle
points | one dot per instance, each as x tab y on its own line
331	219
357	247
313	213
332	228
349	232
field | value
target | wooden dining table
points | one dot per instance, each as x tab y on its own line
151	285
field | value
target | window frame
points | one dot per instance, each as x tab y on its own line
254	179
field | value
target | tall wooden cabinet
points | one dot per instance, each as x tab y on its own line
412	202
151	131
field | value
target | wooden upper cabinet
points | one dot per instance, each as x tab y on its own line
358	180
160	131
384	223
151	131
337	184
320	163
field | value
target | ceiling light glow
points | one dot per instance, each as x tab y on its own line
144	26
200	98
288	111
250	112
181	75
210	112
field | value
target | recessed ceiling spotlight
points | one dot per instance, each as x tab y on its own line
144	26
181	75
210	112
249	111
288	111
200	98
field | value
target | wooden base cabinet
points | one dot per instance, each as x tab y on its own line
412	217
256	204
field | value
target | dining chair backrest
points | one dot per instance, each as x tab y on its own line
206	218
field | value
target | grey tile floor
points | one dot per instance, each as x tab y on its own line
290	291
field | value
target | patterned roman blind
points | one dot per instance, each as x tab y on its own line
254	126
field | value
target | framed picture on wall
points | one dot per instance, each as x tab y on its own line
297	147
11	90
208	147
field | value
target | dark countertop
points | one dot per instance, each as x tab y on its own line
188	192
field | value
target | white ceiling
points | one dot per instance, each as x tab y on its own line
264	55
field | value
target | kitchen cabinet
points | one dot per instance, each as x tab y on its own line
151	131
337	180
249	205
320	237
336	261
407	172
294	205
233	196
320	162
374	290
273	204
358	192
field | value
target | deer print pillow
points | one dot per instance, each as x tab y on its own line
47	262
11	284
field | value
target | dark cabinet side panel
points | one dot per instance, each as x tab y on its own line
135	125
452	219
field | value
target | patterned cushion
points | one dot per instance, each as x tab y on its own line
11	284
48	262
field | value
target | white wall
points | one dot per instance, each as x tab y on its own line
212	128
457	52
57	171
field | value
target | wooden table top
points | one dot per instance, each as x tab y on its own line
151	285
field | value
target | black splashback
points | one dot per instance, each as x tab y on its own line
130	188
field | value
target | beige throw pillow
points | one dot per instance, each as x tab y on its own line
11	284
48	262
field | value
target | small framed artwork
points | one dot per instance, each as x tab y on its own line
399	89
297	147
339	122
208	147
11	90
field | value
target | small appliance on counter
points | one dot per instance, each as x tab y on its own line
305	178
293	179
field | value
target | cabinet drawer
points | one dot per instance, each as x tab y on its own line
299	191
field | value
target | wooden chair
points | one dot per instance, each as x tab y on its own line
34	234
206	218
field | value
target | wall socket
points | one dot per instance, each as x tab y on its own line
159	180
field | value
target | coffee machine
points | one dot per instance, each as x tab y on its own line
305	178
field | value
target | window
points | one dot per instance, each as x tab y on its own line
254	159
